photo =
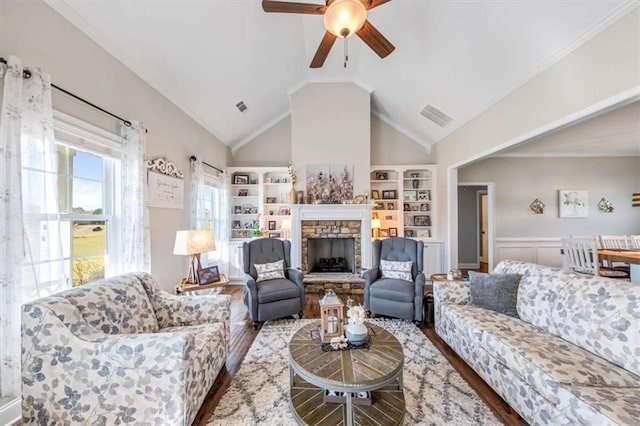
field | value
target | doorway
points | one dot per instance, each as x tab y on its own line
475	226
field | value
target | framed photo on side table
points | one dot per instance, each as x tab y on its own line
208	275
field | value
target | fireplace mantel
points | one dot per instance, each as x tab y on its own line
304	212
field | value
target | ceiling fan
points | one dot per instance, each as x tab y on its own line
342	18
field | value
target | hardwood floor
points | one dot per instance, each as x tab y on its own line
243	334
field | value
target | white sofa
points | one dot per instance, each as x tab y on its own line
572	356
121	350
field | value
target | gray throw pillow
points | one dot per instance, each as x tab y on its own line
496	292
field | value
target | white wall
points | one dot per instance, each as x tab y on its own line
42	38
605	66
518	181
330	124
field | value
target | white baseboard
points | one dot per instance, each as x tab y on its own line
10	413
468	265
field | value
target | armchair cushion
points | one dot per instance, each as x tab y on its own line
270	271
396	270
393	289
274	290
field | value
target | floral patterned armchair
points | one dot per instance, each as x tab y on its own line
120	350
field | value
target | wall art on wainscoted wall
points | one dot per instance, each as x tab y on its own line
573	203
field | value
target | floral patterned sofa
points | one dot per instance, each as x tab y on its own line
120	350
572	356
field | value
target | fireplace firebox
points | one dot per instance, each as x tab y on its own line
331	254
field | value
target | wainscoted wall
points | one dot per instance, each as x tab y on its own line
544	251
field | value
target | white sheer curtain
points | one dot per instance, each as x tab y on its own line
32	260
133	214
218	217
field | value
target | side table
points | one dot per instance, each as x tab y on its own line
427	302
183	287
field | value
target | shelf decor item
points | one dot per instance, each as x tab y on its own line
537	206
605	206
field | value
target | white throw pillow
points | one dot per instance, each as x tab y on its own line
396	270
270	271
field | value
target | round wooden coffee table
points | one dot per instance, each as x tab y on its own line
377	370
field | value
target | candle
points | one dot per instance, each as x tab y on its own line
332	324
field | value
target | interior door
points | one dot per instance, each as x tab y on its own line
483	220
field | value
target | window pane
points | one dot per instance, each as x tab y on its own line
89	238
87	269
87	166
87	196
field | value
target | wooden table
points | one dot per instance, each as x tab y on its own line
632	257
183	287
377	370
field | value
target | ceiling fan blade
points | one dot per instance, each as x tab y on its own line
370	4
375	40
287	7
323	50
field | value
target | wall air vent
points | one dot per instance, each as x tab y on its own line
241	106
435	115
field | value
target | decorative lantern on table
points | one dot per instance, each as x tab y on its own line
332	317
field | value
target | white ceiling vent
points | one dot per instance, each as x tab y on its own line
241	106
435	115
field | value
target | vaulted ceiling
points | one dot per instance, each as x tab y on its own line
461	57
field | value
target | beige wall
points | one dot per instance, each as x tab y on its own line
388	147
603	67
270	148
42	38
519	181
331	124
391	147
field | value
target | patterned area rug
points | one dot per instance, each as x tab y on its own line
434	392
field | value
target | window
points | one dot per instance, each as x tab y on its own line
208	214
87	187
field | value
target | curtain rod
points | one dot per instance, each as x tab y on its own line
27	74
194	158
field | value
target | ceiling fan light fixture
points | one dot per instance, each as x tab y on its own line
344	17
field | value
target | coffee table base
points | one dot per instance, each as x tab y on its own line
309	408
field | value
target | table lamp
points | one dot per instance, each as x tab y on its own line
191	243
375	225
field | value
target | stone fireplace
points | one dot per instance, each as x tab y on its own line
338	223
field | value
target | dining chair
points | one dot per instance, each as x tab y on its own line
633	241
581	255
614	242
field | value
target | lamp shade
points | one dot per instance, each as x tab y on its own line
194	242
344	17
375	223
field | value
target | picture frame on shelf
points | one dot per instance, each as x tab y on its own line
382	176
391	206
235	224
414	175
237	209
284	211
272	225
408	220
423	233
415	208
267	179
247	209
422	220
243	233
271	200
253	181
407	207
241	179
375	194
409	233
383	233
424	195
393	232
378	206
410	195
243	192
208	275
424	207
274	235
388	217
374	215
389	194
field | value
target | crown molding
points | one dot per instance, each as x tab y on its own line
576	154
